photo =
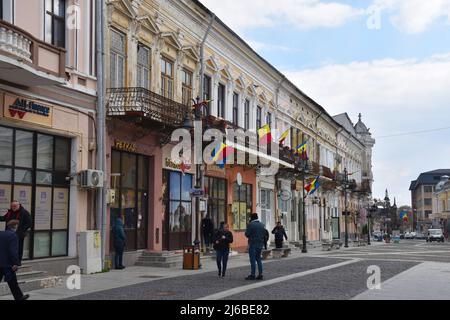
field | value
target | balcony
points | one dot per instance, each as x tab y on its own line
145	106
28	61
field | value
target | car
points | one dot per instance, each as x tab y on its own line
378	237
435	235
408	235
420	236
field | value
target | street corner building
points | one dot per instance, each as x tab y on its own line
47	123
159	56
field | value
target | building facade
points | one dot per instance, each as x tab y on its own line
422	194
47	127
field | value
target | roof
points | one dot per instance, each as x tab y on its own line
429	178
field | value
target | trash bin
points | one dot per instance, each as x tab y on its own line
191	258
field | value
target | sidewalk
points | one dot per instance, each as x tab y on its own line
135	275
426	281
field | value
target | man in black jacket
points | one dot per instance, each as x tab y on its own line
280	234
17	212
222	240
9	258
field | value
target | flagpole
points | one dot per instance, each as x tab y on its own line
305	164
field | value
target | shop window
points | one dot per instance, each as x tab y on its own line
242	206
178	219
55	29
24	149
35	177
6	145
217	199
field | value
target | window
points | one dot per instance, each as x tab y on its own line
428	202
269	119
55	31
143	67
207	89
186	79
166	78
242	205
247	115
221	101
235	109
33	170
117	57
258	117
217	199
92	48
428	189
428	213
7	10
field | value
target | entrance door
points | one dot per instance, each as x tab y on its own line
129	179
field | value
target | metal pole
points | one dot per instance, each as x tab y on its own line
345	203
368	226
101	156
198	172
304	249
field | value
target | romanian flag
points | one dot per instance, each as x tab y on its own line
404	216
265	136
219	155
284	136
313	186
301	150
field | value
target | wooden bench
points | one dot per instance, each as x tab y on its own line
265	254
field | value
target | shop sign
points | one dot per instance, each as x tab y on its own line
298	185
125	146
20	108
197	192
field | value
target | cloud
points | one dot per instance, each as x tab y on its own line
394	96
415	16
301	14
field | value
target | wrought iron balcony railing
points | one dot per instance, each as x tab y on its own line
145	104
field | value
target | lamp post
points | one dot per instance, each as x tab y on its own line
372	209
304	169
188	125
346	208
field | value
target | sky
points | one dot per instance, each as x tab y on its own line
386	59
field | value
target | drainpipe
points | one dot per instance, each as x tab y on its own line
101	156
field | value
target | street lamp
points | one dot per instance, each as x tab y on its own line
372	209
198	108
305	170
346	207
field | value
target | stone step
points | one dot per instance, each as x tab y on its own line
25	268
160	259
32	284
30	275
161	254
159	264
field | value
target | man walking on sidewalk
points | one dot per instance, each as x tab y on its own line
20	214
256	233
9	259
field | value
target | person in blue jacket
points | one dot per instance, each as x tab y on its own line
9	259
119	242
256	234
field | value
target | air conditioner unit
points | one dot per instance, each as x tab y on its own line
91	179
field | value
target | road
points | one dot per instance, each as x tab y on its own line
337	275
